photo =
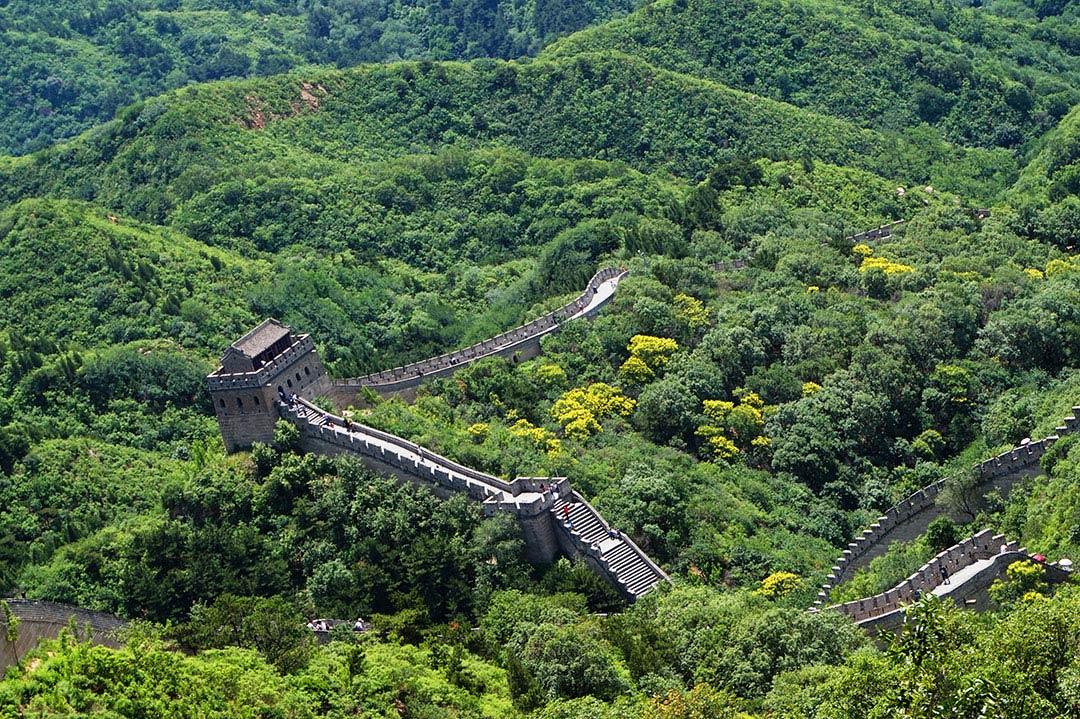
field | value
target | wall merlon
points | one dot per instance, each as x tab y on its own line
913	512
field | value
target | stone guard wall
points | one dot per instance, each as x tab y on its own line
43	620
909	518
978	547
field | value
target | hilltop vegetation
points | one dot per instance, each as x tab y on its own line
71	64
608	107
758	390
982	79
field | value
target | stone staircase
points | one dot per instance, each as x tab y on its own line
541	503
616	555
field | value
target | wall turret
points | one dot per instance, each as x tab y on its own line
257	369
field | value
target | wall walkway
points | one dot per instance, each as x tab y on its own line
911	517
963	573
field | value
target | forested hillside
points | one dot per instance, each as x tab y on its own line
759	390
71	64
982	77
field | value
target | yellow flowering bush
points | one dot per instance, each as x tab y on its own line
1055	266
551	374
887	266
778	584
732	427
479	431
635	370
653	351
691	311
579	410
721	448
540	437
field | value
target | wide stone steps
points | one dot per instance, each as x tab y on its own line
630	569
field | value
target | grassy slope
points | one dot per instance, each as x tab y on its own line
83	278
612	107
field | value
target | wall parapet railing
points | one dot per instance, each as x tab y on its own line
929	576
1010	462
540	326
345	433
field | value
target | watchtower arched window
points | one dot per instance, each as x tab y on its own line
222	403
297	376
289	382
239	403
256	398
307	371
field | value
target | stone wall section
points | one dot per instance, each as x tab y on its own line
978	547
522	342
876	233
534	501
885	611
43	620
910	518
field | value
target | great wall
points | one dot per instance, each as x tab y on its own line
268	374
962	573
911	518
265	375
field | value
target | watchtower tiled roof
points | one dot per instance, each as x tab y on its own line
263	337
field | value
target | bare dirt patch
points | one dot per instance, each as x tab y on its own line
259	113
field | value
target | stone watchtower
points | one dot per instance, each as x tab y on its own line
255	369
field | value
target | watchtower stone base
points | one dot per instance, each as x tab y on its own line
265	364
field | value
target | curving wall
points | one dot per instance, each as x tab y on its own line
524	340
963	573
910	518
537	502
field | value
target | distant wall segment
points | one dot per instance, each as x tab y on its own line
910	518
522	342
962	573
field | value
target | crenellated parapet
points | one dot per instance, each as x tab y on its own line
945	564
909	518
962	573
520	342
